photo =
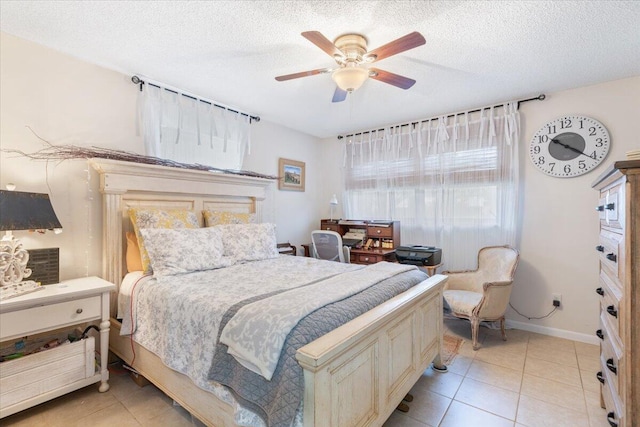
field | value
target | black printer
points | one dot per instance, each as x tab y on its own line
419	255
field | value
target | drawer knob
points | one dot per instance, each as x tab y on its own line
366	259
600	334
610	206
612	257
79	311
378	231
612	311
600	208
600	292
600	248
600	377
612	366
611	417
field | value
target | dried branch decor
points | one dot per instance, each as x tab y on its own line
67	152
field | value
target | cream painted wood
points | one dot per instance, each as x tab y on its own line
619	193
337	366
39	377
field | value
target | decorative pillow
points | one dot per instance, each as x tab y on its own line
184	250
159	218
249	242
134	262
212	218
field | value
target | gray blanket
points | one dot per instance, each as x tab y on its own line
276	401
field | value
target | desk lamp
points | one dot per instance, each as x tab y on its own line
21	211
333	202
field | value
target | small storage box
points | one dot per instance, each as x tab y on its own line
33	375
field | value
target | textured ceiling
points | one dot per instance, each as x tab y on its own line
477	52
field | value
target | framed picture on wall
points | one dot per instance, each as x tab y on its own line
291	175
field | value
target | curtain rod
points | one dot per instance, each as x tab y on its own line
540	97
137	80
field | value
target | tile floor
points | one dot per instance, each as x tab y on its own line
530	380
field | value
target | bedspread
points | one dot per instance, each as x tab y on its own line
256	333
278	400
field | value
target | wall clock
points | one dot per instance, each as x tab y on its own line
569	146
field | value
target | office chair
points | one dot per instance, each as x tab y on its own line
328	245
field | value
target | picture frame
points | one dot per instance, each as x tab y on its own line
291	175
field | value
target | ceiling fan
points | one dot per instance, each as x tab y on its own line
350	53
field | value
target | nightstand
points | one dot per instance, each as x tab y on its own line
38	377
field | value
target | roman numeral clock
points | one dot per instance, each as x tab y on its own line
569	146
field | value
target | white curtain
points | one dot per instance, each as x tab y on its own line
452	182
187	130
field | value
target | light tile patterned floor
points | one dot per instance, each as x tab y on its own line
530	380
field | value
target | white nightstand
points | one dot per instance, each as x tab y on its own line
39	377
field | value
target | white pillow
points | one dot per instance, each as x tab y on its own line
178	251
249	242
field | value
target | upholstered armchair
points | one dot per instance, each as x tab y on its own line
483	294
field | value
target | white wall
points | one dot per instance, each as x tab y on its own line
68	101
559	224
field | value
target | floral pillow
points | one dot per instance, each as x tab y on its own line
182	251
212	218
249	242
159	218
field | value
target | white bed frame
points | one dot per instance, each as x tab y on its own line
355	375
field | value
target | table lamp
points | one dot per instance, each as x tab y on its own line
21	211
333	202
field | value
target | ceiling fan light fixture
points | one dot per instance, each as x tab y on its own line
350	78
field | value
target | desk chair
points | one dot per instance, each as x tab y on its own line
328	245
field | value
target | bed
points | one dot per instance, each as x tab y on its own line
386	348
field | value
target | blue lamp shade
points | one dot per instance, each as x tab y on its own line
26	211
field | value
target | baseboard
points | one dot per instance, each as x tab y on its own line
560	333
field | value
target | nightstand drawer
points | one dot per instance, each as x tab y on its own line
366	258
42	318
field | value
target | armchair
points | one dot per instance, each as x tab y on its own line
483	294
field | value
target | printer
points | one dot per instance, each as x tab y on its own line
419	255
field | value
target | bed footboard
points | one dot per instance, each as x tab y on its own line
357	374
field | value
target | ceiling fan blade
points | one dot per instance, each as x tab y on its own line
402	44
391	78
303	74
339	95
322	42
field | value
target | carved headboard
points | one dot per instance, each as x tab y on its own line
127	184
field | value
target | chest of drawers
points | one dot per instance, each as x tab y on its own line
619	253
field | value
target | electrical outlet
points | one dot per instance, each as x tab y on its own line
557	299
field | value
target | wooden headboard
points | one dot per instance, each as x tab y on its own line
127	184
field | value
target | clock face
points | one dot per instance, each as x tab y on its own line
569	146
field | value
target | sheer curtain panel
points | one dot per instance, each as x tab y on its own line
452	182
188	130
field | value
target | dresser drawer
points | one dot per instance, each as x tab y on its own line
613	406
610	305
386	232
611	252
42	318
611	360
614	206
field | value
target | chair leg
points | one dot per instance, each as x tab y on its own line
504	333
475	325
